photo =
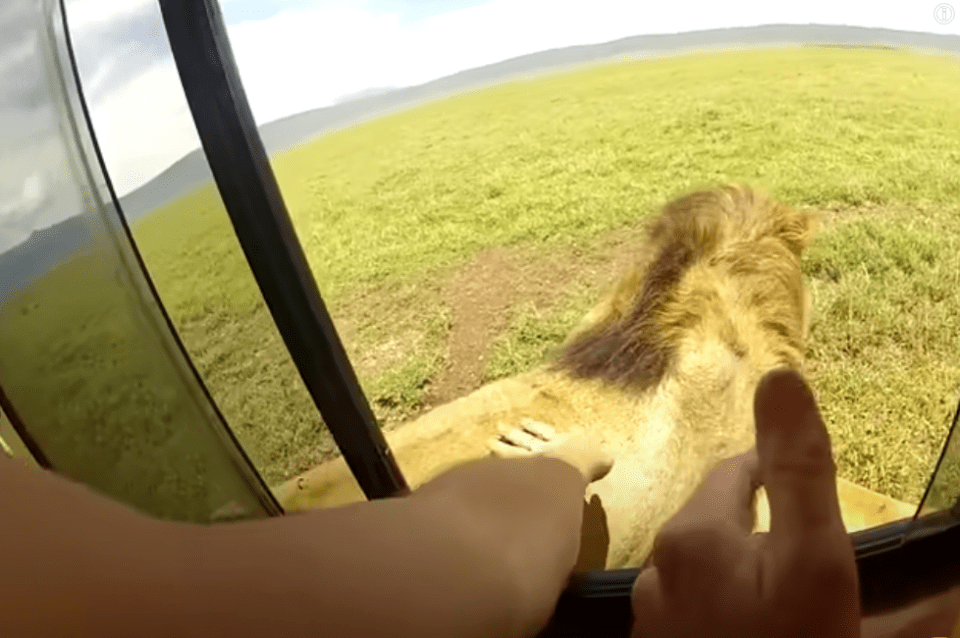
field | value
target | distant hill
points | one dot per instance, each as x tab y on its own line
285	133
24	264
188	172
366	93
45	248
297	129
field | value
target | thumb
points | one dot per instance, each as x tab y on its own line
796	465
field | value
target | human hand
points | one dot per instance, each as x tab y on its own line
711	577
926	618
534	438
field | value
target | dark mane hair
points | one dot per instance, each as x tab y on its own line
728	228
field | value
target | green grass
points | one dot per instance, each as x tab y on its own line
387	211
566	157
884	348
203	278
885	341
534	333
99	397
418	353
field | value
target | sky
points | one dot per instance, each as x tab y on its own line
295	55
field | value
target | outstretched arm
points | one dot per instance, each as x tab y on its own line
483	550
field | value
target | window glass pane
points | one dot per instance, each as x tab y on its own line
462	219
10	443
944	489
87	362
462	228
187	242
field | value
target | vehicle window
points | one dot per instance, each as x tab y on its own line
88	365
467	183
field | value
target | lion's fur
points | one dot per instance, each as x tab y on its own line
663	370
703	252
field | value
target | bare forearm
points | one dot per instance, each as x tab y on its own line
73	563
528	510
376	569
470	555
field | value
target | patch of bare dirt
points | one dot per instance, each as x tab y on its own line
482	294
480	297
831	215
381	325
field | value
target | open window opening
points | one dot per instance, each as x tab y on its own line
460	237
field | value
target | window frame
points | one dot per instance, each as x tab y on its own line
898	562
246	182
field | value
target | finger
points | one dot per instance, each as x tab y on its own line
727	494
934	616
505	450
691	558
796	465
526	439
736	484
646	601
538	429
519	438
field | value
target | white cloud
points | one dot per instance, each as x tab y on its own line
17	55
298	60
144	126
99	77
91	14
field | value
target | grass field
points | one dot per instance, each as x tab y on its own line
457	242
99	396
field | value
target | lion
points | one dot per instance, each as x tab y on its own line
663	370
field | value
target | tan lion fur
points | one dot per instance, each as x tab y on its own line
662	370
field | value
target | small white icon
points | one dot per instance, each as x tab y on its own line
944	13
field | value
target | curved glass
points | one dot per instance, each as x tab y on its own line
943	492
189	246
10	442
89	368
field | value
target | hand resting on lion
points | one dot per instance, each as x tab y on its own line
670	375
662	372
